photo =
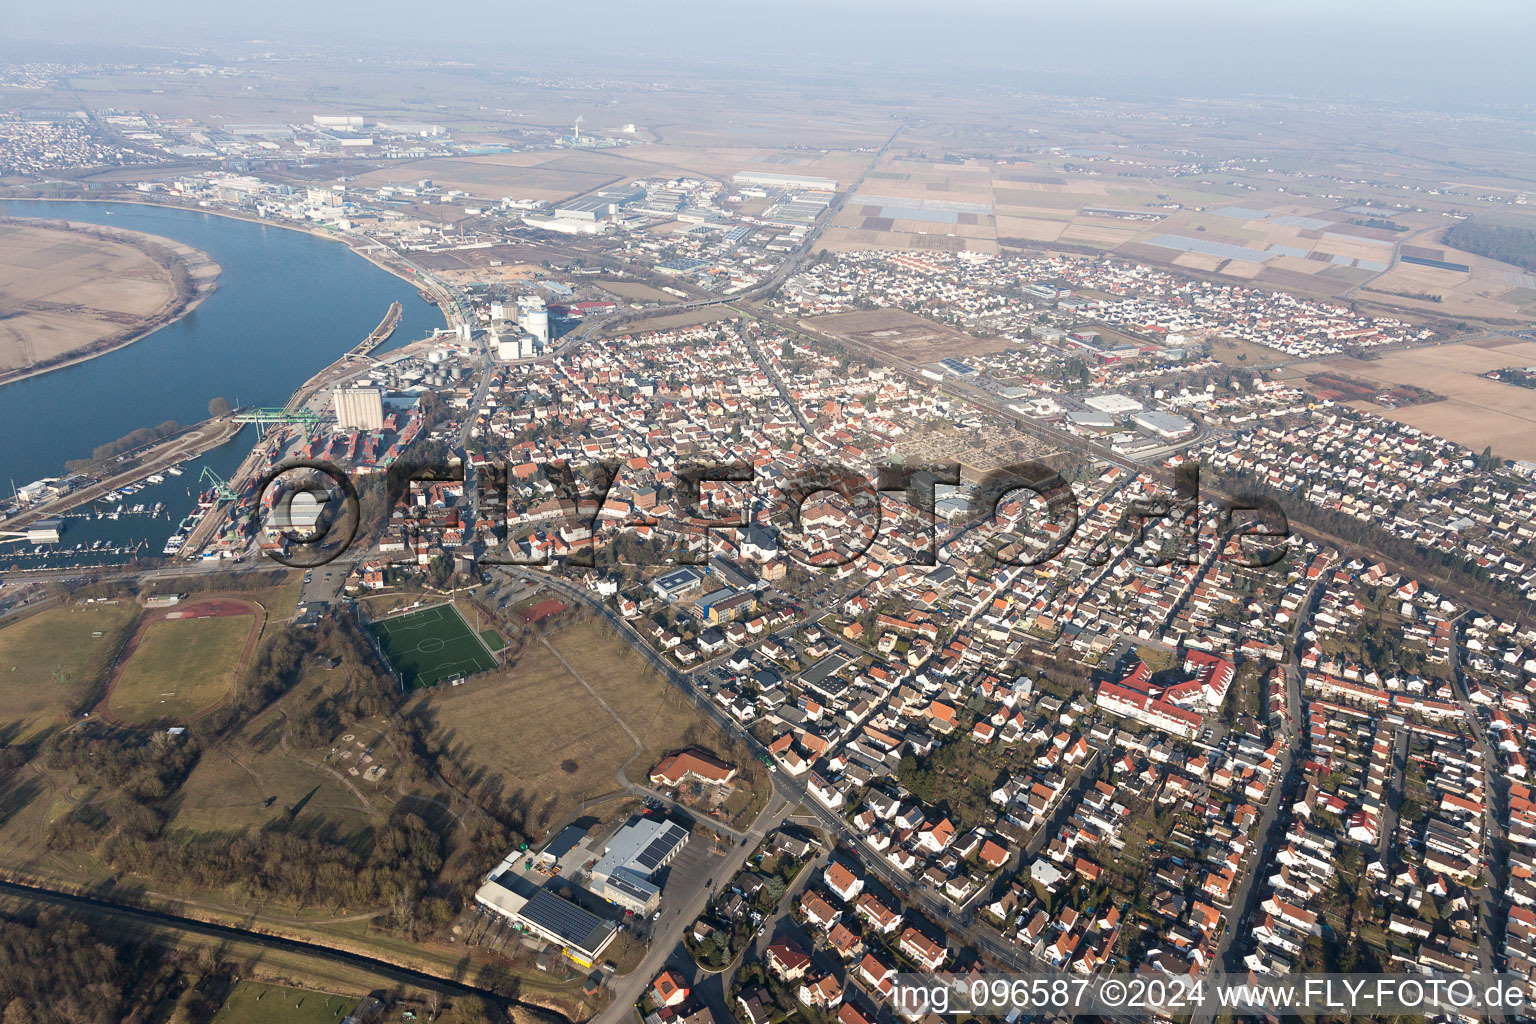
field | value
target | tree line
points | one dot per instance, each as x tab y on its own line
1505	244
127	443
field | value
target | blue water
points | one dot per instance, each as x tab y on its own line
287	305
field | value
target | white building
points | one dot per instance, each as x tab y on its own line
359	408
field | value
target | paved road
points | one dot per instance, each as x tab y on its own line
713	989
1227	952
792	792
790	264
681	907
1492	906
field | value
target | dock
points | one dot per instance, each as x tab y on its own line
382	332
188	444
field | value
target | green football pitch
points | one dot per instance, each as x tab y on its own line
427	646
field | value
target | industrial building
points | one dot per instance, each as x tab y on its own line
580	934
359	408
1164	424
1114	404
513	343
516	890
598	205
634	854
784	181
1090	420
533	317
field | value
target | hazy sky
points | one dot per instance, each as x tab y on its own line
1437	52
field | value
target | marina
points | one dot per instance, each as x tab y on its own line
286	304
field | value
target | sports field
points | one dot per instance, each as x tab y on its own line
254	1002
427	646
183	662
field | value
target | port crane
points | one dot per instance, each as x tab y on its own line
217	484
269	416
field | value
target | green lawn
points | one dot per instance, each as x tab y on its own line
180	667
427	646
253	1002
51	661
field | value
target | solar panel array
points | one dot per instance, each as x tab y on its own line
637	890
561	917
662	844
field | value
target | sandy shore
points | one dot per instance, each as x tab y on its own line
360	246
203	270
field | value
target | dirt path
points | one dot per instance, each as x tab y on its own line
282	745
622	778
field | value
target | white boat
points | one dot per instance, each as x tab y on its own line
155	478
175	471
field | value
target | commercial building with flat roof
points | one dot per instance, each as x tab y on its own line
1114	404
582	934
784	181
1164	424
634	854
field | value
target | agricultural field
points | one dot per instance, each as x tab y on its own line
51	662
534	736
68	293
255	1002
428	646
1485	289
1477	412
183	661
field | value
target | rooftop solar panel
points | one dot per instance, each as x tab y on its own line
561	917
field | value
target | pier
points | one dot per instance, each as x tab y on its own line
188	444
382	332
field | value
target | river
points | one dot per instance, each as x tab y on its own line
288	303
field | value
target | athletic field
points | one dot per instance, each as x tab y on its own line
427	646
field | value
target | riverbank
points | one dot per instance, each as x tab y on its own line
193	277
286	307
365	247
